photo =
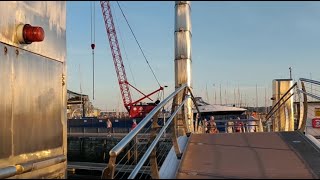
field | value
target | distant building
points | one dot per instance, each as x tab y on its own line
113	115
79	105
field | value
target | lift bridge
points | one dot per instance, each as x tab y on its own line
268	153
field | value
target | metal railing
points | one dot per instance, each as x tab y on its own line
17	169
280	102
155	150
310	90
307	99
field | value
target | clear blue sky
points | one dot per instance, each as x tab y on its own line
233	44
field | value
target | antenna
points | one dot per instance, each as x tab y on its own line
290	72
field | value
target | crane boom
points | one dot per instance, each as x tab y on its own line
116	54
135	110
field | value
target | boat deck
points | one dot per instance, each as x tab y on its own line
250	155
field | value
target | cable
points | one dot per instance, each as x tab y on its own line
138	44
91	20
94	22
92	5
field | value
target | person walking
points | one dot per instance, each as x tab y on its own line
252	122
230	126
212	126
239	125
205	124
109	127
134	124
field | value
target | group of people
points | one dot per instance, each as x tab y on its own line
210	126
240	126
236	126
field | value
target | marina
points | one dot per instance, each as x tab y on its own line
52	129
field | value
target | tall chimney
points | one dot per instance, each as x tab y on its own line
182	58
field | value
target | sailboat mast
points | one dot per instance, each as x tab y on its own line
256	96
220	95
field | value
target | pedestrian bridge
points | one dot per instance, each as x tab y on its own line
197	155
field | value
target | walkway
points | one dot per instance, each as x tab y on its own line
250	155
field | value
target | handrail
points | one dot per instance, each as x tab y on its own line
126	140
30	166
8	172
154	143
196	106
267	116
309	94
109	171
302	125
303	121
310	81
194	100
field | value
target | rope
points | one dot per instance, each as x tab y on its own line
138	44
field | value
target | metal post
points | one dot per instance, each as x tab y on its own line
164	119
305	109
174	136
108	172
182	58
185	117
153	155
129	152
135	150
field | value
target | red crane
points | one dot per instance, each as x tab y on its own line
135	110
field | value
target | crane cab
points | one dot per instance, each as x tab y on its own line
141	110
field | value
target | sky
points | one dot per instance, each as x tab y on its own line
235	45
